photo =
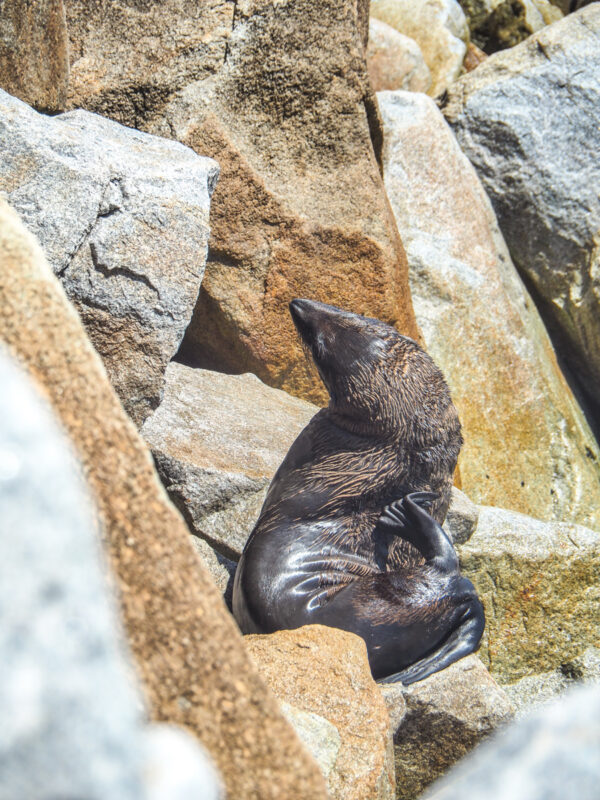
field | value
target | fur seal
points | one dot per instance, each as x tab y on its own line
349	535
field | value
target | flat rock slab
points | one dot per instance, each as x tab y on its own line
539	584
217	441
188	651
325	672
529	121
123	219
527	444
439	720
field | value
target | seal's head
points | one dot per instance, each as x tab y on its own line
375	377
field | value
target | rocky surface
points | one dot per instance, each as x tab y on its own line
325	672
126	234
550	754
527	445
301	118
536	690
439	28
395	61
188	651
217	441
72	719
539	585
499	24
34	61
439	720
536	169
462	516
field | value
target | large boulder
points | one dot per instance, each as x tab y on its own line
527	445
217	441
72	722
437	721
394	60
123	220
324	672
283	103
34	59
529	121
188	651
550	754
539	584
439	28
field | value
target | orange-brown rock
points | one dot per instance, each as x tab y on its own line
325	672
300	208
34	61
189	654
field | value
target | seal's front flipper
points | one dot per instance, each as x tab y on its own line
462	641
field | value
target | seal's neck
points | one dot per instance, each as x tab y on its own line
375	429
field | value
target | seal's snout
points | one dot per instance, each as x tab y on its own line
305	316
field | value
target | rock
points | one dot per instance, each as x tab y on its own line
217	441
127	236
527	444
72	719
539	585
439	28
34	61
499	24
533	691
395	61
321	738
221	568
128	58
541	175
445	717
69	713
176	768
300	209
462	516
474	57
188	652
325	672
550	754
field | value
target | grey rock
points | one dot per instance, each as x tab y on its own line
550	755
220	567
177	768
320	736
69	712
123	219
527	444
72	718
529	121
217	441
462	516
438	720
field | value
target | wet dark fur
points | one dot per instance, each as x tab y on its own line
324	549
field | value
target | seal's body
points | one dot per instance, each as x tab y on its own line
344	538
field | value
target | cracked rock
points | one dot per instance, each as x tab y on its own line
123	219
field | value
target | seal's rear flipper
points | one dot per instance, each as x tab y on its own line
410	520
462	641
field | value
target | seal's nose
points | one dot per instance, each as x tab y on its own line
300	309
